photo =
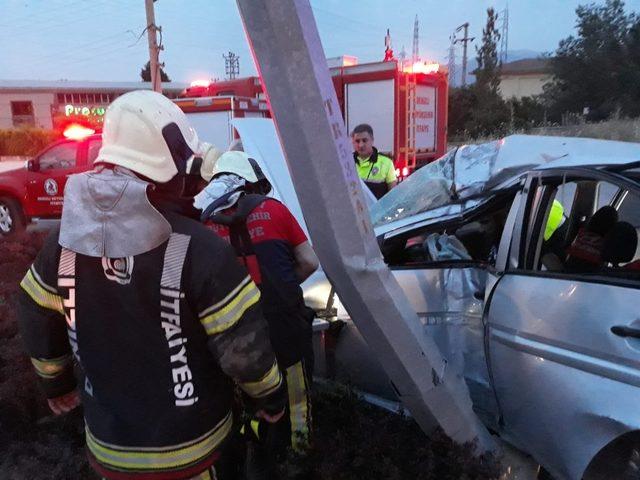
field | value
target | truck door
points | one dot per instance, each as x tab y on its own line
46	183
563	321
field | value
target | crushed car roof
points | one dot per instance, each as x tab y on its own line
473	171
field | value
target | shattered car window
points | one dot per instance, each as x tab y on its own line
461	173
426	189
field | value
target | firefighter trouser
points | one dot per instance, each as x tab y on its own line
267	443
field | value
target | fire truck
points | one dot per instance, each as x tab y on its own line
405	103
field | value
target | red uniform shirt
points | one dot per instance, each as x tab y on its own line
274	234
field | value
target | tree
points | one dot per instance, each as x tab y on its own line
488	71
462	101
145	73
599	68
490	114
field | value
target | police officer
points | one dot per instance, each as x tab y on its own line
376	170
270	243
150	307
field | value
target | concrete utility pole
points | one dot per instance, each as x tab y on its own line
154	49
286	46
464	40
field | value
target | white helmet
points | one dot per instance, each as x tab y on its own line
239	163
147	133
210	155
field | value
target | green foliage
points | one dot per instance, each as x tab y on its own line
462	101
526	112
25	141
145	73
599	68
479	110
488	71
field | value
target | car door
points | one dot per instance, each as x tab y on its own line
442	268
49	176
563	341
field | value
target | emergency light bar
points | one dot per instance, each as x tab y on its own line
77	132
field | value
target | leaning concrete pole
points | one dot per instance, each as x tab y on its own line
287	50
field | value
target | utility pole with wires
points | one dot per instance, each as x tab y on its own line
403	55
415	54
388	50
231	65
154	48
464	40
504	35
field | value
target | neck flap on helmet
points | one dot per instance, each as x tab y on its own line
107	214
187	163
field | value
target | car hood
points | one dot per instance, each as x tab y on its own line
468	174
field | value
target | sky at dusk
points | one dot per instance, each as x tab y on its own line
103	40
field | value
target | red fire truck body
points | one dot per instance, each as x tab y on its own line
406	105
407	110
211	116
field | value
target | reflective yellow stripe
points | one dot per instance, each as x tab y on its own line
51	368
245	281
298	407
226	316
39	293
266	385
255	426
176	456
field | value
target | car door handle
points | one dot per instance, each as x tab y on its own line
624	331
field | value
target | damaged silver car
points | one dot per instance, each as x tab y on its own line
521	258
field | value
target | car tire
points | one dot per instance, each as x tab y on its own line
619	460
11	217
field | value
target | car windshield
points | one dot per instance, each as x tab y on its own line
428	188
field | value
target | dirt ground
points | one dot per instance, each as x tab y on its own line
352	439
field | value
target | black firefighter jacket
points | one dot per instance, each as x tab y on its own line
157	341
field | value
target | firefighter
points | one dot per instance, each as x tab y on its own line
149	306
270	243
375	170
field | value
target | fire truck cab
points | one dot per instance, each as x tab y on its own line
36	190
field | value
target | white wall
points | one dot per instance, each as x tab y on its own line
519	86
372	103
41	108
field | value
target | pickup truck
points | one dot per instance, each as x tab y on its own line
35	191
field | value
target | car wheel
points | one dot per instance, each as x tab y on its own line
11	217
620	460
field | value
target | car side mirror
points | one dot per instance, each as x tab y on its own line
33	166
